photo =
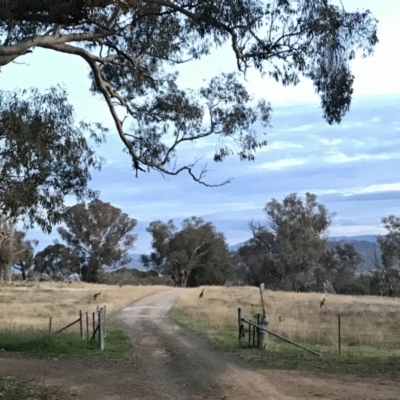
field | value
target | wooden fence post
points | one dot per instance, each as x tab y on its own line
240	326
249	333
94	322
104	320
81	324
50	324
339	335
262	340
101	332
87	326
254	336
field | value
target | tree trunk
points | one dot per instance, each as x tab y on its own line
185	278
391	289
181	278
90	272
23	272
8	273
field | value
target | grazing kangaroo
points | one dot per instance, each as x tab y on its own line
201	294
96	295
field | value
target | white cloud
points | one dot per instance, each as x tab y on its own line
331	142
382	187
347	125
282	164
375	119
283	145
301	128
350	191
338	157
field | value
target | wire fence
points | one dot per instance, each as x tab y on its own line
338	331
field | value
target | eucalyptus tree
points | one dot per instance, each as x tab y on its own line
287	251
23	255
98	235
133	49
45	155
195	255
57	260
387	269
299	226
257	261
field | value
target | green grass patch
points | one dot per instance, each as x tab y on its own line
10	389
281	355
39	343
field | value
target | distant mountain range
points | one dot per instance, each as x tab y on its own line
366	238
135	263
364	244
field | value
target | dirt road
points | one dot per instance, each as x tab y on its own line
170	363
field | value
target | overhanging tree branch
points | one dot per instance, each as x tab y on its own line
131	45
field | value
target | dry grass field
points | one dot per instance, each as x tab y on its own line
32	305
365	320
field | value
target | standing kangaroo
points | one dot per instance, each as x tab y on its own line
96	295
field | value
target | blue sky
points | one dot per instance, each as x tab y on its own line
353	167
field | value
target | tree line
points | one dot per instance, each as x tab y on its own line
289	251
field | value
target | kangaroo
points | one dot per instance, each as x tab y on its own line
96	295
322	303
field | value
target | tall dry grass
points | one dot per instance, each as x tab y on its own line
32	305
365	320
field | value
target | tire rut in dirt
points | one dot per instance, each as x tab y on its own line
175	362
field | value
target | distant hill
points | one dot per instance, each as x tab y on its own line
235	247
364	244
364	247
135	263
367	238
